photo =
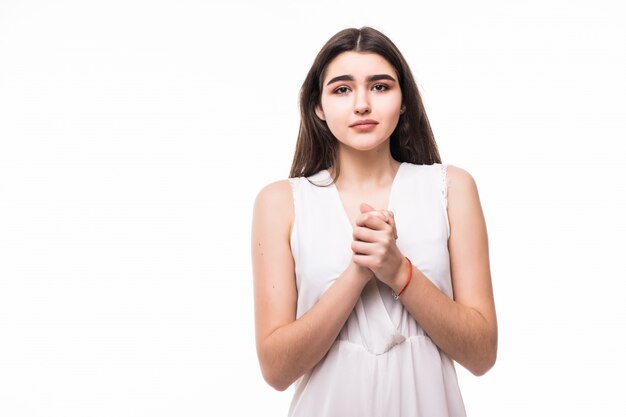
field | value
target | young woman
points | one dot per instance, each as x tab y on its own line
371	266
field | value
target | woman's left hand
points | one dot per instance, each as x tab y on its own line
374	244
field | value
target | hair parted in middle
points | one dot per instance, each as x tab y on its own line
316	149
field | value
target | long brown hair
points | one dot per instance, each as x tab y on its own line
411	141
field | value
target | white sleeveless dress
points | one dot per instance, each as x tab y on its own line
382	363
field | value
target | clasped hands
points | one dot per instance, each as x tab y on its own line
374	244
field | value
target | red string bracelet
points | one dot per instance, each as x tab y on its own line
408	279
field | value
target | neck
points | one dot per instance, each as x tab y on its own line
365	169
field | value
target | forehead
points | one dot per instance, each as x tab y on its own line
359	65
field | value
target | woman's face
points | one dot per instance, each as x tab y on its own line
360	100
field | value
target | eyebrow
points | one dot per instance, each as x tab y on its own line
368	79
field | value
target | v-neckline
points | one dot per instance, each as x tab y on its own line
345	215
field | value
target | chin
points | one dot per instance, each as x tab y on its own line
364	147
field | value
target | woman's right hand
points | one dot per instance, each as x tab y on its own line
363	272
387	217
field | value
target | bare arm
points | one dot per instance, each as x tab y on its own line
286	347
464	328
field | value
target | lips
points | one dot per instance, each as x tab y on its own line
364	123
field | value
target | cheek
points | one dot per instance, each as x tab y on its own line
393	103
335	115
332	107
335	126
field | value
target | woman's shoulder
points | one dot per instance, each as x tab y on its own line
458	178
452	170
461	190
277	195
454	176
283	193
274	205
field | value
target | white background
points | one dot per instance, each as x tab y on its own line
135	135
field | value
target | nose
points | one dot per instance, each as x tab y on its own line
361	103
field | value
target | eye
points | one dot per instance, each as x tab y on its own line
380	87
341	90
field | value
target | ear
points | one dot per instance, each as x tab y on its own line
320	113
402	109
